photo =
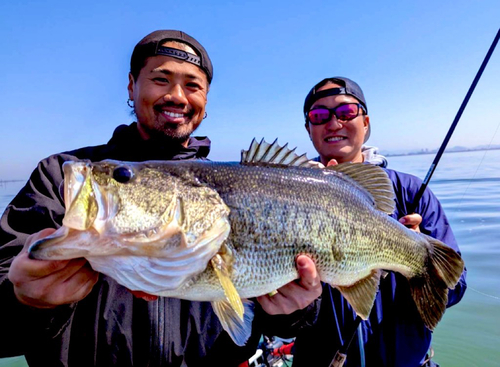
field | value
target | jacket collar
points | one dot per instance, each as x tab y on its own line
129	145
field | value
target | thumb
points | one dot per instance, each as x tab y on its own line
309	277
332	162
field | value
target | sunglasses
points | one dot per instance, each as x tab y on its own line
344	112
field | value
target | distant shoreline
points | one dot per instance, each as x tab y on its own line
2	182
435	151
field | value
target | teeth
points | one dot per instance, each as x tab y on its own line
173	114
336	138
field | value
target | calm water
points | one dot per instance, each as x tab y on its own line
468	186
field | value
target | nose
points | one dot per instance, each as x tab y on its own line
176	94
334	123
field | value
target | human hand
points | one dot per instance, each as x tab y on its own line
412	221
295	295
50	283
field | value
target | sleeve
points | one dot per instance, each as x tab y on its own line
287	326
434	223
37	206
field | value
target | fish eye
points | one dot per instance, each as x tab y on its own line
122	174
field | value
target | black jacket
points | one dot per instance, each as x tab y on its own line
110	327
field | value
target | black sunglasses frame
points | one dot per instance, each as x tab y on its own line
332	111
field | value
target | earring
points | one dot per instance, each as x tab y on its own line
129	102
204	117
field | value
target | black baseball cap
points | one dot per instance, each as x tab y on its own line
348	87
151	45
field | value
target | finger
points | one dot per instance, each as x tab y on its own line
59	269
24	269
75	288
35	237
412	221
73	267
83	291
332	162
308	275
277	304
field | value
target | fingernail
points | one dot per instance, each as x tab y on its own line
402	220
301	262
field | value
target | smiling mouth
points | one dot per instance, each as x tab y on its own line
173	114
335	138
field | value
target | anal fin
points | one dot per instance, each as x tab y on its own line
361	295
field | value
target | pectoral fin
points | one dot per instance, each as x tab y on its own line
238	328
361	294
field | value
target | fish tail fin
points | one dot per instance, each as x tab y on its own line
430	291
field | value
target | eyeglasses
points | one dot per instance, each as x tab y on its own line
344	112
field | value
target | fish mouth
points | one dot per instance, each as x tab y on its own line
87	205
79	196
49	248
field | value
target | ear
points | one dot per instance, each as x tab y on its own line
366	122
308	129
131	85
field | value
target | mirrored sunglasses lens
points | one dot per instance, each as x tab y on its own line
347	112
319	115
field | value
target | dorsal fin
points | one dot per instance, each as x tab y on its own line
273	154
374	180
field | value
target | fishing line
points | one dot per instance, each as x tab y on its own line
341	355
453	125
479	165
483	294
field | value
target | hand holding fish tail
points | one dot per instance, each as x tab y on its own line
297	294
50	283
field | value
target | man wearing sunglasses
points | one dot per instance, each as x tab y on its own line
337	121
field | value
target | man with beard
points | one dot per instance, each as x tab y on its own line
62	312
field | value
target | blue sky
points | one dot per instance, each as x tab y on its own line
65	64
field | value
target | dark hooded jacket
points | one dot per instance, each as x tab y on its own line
110	327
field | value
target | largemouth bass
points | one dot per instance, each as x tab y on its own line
223	232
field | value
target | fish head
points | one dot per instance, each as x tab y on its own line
153	209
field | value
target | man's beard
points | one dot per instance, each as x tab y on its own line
171	132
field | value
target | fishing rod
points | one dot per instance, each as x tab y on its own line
341	355
453	125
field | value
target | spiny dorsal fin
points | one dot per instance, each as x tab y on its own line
374	180
273	154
